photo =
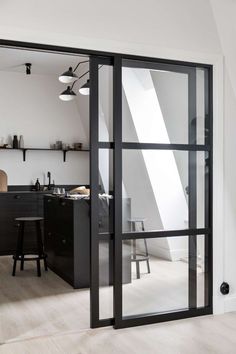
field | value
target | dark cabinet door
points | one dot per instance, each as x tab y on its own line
64	258
49	244
13	206
59	236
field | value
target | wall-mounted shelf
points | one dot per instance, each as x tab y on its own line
42	149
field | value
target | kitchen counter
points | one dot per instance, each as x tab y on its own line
67	241
25	192
20	201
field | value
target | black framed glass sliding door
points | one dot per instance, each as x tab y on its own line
101	181
154	152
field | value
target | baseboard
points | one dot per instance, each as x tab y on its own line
230	303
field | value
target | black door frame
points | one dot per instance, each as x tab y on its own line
117	237
192	147
115	59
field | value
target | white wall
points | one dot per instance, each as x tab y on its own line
181	24
201	31
29	105
224	12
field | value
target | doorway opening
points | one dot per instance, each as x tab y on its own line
135	231
53	149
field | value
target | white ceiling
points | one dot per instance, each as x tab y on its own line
42	63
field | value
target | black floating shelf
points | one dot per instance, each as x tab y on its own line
43	149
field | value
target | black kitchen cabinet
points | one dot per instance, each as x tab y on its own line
13	205
67	241
66	227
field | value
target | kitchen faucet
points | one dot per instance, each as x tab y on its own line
49	180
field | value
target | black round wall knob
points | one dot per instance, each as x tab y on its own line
224	288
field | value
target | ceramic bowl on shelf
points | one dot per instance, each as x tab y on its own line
77	146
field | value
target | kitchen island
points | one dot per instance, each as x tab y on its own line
67	241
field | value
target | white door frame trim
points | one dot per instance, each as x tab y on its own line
218	119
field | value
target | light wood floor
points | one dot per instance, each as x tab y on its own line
45	315
205	335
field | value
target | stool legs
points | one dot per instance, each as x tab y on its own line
22	262
19	248
40	245
134	250
38	268
146	251
19	255
134	255
40	249
14	268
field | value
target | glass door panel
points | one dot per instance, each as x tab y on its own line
101	180
105	104
148	116
156	185
105	221
151	191
165	287
163	148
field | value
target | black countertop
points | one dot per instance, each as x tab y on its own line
26	192
28	189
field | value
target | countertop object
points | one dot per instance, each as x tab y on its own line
3	181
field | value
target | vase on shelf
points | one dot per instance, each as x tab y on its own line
21	142
15	142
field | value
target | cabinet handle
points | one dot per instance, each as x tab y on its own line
17	196
63	203
49	200
63	241
49	234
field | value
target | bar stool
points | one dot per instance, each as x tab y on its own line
20	255
139	257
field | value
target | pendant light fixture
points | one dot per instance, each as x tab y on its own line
85	89
68	94
69	76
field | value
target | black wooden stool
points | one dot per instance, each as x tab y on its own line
20	255
139	257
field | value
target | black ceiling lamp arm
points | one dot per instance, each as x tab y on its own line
80	77
81	62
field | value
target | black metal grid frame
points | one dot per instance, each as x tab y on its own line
119	321
116	60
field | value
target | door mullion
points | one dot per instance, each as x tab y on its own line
117	173
208	187
94	172
192	177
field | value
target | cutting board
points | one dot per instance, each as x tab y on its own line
3	181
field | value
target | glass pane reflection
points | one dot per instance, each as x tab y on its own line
156	184
155	106
165	288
